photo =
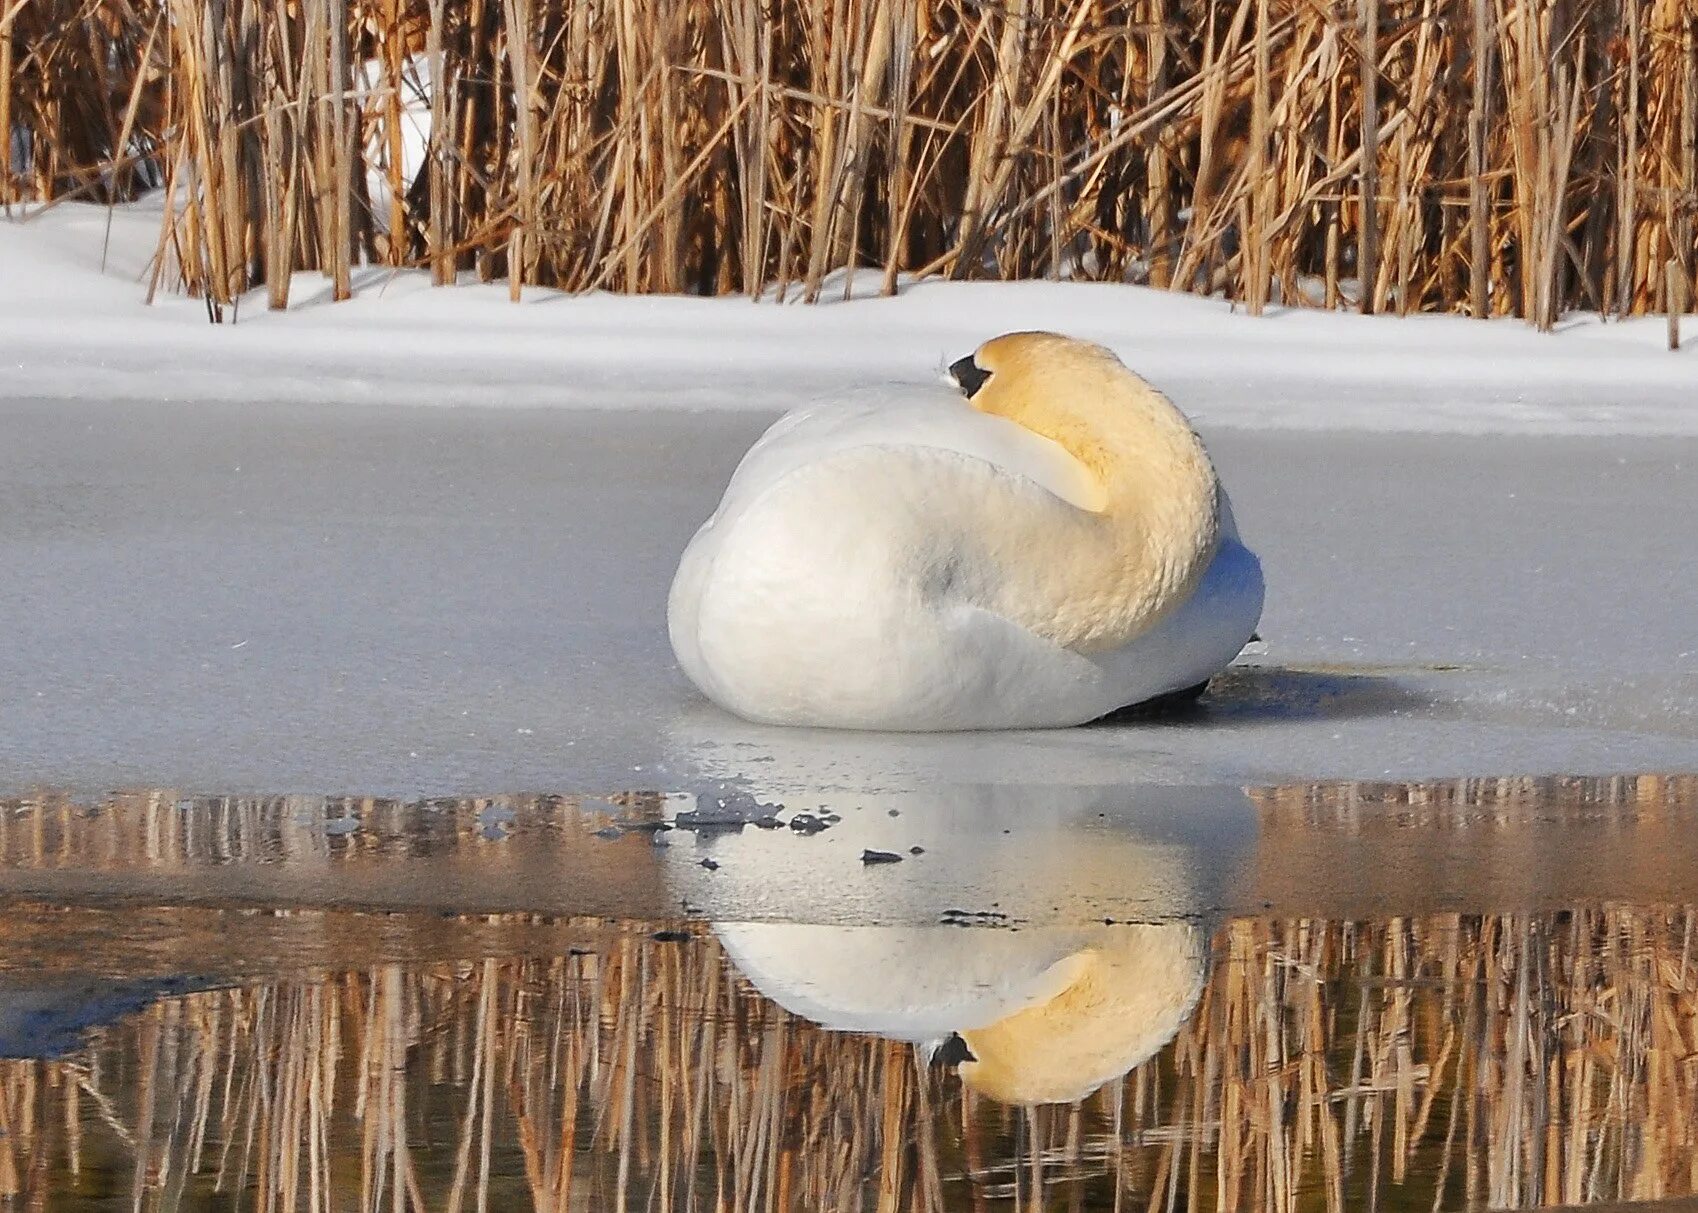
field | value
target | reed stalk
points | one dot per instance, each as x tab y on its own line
1467	155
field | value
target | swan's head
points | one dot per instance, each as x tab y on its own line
1025	376
1073	392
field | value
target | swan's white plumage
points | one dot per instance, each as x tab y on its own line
858	574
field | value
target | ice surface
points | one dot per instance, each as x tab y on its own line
46	1016
240	558
337	597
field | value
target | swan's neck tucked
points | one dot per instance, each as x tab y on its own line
1159	524
1143	454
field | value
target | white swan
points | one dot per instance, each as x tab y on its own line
1049	547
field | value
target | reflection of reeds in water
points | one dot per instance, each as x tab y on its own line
1345	802
1418	1062
159	829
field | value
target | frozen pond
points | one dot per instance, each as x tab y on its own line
418	601
361	846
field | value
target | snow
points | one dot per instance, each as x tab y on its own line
70	329
243	559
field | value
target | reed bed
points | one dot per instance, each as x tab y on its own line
1491	157
1430	1063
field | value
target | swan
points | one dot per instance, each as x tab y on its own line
1039	546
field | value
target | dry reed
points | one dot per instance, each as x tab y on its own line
1494	157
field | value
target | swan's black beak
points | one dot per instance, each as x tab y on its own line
952	1052
967	373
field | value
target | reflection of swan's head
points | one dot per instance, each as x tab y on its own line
1122	1001
1036	1015
1062	388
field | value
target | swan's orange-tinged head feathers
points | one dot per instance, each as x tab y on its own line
1021	375
1073	392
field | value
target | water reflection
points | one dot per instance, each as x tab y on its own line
409	1012
1025	853
1008	854
1028	854
1039	1015
1421	1062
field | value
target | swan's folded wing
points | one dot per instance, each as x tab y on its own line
916	415
1026	680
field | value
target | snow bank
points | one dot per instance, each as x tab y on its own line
73	325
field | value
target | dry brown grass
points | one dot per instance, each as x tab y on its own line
1486	156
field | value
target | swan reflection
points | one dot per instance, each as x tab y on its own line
998	947
1024	1016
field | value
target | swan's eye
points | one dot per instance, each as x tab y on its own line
969	375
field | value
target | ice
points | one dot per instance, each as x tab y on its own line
441	601
242	558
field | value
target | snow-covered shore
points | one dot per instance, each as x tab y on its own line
72	327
